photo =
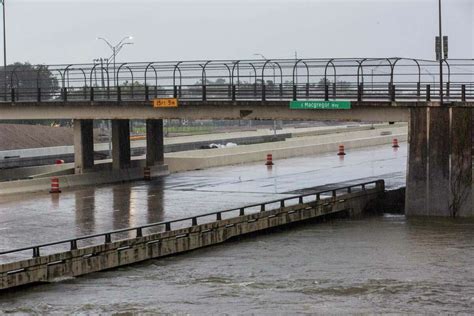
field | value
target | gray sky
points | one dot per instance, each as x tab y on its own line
65	31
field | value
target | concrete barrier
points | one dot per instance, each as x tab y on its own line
73	180
231	156
112	254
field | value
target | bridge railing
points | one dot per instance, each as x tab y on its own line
140	231
282	79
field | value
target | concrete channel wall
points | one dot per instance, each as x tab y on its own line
112	254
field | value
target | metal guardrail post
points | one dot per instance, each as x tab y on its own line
242	212
218	216
65	94
326	92
428	92
194	221
73	244
108	238
392	92
307	90
139	232
448	85
233	92
36	252
463	93
262	208
282	203
295	92
167	227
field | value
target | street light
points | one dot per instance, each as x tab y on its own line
273	67
441	58
116	49
4	49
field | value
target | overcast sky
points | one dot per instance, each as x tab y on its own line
65	31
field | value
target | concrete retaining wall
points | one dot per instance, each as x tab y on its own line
114	254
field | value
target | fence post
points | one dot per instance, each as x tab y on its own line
463	93
295	91
233	92
92	94
147	97
264	96
326	92
38	95
428	92
65	94
119	94
204	92
360	91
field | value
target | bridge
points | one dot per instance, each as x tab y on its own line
439	177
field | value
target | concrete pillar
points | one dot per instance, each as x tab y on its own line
154	142
439	149
120	144
417	177
461	163
83	145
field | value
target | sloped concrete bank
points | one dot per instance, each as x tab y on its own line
353	200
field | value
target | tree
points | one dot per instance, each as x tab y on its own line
26	79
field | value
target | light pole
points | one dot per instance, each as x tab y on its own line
4	50
440	58
273	67
115	50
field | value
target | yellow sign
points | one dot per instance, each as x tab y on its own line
165	103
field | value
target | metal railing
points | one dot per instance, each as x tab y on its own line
263	80
193	220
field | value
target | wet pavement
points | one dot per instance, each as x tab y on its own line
35	218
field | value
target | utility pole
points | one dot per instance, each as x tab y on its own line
4	50
440	57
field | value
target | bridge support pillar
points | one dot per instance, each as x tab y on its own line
120	144
83	145
154	143
439	177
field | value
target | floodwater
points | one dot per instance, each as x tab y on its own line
374	265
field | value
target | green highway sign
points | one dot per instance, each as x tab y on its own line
320	105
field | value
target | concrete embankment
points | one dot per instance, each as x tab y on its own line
353	200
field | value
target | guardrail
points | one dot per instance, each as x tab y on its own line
193	220
275	79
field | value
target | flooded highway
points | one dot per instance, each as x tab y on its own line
374	265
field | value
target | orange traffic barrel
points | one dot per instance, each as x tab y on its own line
341	151
55	185
147	174
269	160
395	143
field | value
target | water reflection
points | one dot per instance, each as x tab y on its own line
85	211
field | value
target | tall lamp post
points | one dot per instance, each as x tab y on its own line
273	67
115	50
4	49
440	57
